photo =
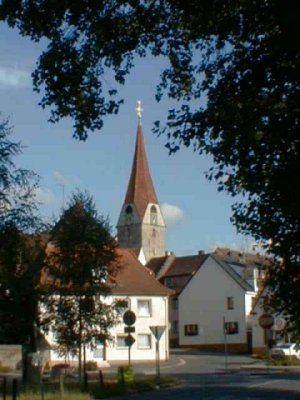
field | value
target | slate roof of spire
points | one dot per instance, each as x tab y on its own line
140	189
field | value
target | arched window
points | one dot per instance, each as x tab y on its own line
153	215
128	214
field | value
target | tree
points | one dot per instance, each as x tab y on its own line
19	245
80	257
18	204
19	277
234	68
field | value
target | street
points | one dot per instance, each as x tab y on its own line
205	376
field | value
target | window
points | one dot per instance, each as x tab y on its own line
144	341
191	330
153	215
175	327
128	213
175	303
144	308
121	341
231	328
230	303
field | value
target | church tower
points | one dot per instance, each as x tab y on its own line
141	225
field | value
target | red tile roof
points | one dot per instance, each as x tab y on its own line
140	189
185	265
134	279
155	264
241	257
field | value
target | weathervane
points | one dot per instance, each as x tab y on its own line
139	110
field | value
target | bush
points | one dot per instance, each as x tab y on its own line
4	368
125	375
91	366
282	360
54	396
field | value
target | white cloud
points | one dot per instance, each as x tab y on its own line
14	77
171	213
46	197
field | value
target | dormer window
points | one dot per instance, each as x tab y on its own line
153	215
128	214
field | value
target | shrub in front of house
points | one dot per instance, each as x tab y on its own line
4	368
91	366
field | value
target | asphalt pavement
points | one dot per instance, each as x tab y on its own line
209	376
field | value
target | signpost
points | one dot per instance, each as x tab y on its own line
157	331
266	321
129	319
225	345
279	324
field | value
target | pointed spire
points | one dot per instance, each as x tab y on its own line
139	111
140	191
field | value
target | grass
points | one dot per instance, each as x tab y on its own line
111	388
285	361
54	396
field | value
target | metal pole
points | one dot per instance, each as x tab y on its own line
225	346
129	361
157	362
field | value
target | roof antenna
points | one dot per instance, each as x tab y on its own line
139	111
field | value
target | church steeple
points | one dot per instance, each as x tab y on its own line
141	223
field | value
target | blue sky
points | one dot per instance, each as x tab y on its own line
197	215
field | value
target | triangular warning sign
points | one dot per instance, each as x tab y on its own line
157	331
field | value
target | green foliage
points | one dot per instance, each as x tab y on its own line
91	366
125	375
234	68
80	256
285	361
20	248
17	198
4	368
54	396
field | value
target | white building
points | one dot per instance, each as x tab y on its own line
214	292
148	299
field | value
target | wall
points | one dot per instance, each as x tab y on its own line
204	302
159	316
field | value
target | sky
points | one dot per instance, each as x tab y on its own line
196	214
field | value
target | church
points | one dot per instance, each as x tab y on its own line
213	294
202	300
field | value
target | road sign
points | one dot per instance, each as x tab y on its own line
129	340
266	321
157	331
279	324
129	329
129	317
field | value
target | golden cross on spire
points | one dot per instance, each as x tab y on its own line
139	110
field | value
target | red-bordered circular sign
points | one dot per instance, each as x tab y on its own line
129	317
266	321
